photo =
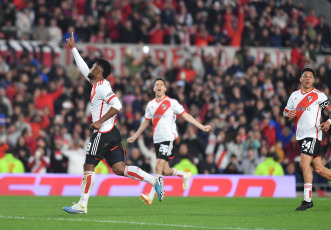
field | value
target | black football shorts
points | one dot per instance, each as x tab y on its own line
311	147
164	150
105	146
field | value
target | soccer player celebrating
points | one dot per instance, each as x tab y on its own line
105	142
162	111
305	106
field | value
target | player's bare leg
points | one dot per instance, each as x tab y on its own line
159	170
174	172
136	173
305	164
167	171
87	184
320	169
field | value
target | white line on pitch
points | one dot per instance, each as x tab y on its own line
127	222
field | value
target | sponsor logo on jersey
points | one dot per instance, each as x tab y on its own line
302	108
109	94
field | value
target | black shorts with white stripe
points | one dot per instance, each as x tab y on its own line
164	150
310	146
105	145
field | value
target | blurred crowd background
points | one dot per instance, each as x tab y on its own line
45	111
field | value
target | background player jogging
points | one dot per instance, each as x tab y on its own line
305	106
105	142
163	111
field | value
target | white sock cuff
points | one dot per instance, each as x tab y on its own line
126	171
307	185
174	172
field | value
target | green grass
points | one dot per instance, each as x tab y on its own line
19	212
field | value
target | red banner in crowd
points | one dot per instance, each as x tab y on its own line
42	52
112	185
171	55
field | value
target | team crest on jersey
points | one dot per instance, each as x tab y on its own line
310	98
164	106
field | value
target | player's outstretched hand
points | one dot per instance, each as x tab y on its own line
131	139
71	41
206	128
325	126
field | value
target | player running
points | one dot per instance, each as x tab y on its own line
163	111
305	107
105	142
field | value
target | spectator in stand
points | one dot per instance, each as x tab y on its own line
249	163
187	73
185	165
324	29
24	22
41	32
22	152
234	26
10	164
311	18
55	32
233	167
208	166
39	162
269	167
268	128
137	159
76	156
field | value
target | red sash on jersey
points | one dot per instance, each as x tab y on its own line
163	107
304	103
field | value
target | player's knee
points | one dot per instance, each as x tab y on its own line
118	171
89	167
159	168
304	166
167	172
318	170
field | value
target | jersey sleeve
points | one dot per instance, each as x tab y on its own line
148	113
324	101
177	108
106	94
82	66
290	104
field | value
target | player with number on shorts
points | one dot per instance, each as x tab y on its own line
305	107
105	142
163	111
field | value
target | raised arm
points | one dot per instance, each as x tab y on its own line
82	66
188	117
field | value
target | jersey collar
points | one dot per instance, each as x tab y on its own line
161	100
306	92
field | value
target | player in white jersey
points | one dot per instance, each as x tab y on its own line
163	112
305	107
105	142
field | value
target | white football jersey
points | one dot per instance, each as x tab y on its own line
163	115
308	108
101	96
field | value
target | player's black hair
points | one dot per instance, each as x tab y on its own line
105	66
160	79
310	70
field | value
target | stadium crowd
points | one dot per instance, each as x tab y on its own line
44	112
274	23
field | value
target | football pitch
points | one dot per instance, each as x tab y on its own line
29	212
